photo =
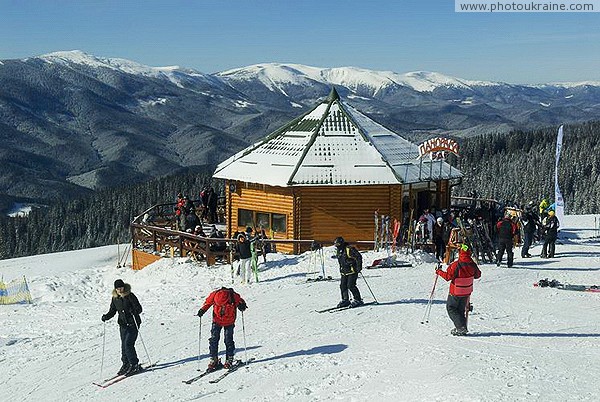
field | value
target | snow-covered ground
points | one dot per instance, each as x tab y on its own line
526	343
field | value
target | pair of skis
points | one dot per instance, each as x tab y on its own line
238	364
336	309
120	377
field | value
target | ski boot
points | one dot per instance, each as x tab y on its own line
462	331
124	368
343	303
228	362
214	364
134	369
356	303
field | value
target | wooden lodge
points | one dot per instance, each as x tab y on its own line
324	175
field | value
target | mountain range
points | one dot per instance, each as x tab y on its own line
71	122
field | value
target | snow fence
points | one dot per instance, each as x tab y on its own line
15	292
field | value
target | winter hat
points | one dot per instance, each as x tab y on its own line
119	283
249	229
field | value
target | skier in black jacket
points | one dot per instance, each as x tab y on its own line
129	309
550	225
350	261
530	224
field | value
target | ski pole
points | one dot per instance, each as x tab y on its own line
430	302
142	339
103	347
199	339
244	333
376	302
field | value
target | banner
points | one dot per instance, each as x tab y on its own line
15	292
558	198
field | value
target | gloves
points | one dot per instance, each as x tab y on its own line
200	313
104	317
242	307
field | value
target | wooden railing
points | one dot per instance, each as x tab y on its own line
154	231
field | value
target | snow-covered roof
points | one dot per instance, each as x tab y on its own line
333	144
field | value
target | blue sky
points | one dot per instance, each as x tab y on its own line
399	35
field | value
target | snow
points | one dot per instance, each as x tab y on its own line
171	73
526	343
20	209
276	75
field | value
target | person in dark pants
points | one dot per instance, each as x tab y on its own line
505	229
530	222
438	238
550	226
225	302
350	261
461	274
129	309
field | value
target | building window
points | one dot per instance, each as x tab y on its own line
278	223
245	217
264	220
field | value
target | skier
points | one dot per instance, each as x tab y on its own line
129	308
506	229
460	274
530	223
244	249
350	261
225	301
550	226
438	238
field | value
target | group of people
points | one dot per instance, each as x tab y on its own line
225	303
514	226
187	218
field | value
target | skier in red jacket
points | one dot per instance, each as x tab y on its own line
461	274
225	301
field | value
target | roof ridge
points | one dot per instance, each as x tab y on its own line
333	97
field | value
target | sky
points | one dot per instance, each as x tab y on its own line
399	36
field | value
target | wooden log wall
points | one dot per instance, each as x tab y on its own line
327	212
261	198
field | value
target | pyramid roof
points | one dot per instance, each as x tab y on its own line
333	144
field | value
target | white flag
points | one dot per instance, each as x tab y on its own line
558	198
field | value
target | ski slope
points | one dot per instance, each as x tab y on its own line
526	343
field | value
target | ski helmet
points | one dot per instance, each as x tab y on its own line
339	241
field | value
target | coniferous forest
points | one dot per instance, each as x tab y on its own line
518	166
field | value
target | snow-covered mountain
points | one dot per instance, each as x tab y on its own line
357	79
88	122
526	343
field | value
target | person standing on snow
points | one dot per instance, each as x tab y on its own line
129	309
244	249
461	274
550	226
530	223
225	301
505	229
350	261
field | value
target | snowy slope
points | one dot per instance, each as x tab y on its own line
526	343
276	75
174	74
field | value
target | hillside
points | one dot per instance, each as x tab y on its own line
72	122
525	344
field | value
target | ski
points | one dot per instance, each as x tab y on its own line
336	309
236	366
111	381
319	279
206	372
545	283
398	264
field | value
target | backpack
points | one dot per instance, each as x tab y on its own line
224	305
354	254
